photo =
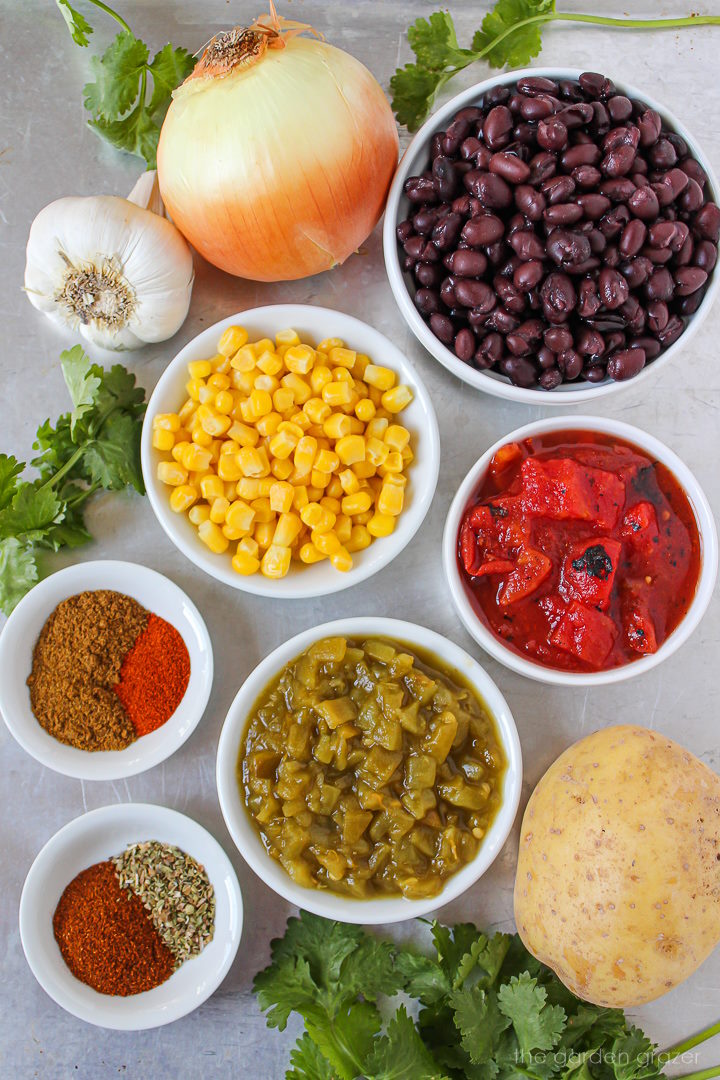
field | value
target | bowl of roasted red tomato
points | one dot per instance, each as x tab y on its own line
580	551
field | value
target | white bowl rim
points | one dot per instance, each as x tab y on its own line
707	531
142	1016
308	582
325	903
143	753
492	382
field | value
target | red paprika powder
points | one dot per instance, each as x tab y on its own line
106	936
154	676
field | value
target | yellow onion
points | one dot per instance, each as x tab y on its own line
276	154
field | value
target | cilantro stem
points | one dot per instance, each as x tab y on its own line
687	1044
109	11
71	461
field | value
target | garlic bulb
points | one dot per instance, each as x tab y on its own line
115	270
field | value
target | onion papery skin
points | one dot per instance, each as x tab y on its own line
279	170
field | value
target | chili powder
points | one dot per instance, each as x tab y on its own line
154	675
106	936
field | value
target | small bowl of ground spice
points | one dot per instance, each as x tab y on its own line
131	916
105	670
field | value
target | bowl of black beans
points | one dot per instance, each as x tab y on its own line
552	231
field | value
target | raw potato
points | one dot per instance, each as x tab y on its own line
618	880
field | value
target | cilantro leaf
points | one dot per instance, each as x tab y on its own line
169	68
435	42
10	470
18	572
71	531
538	1026
480	1022
415	87
113	459
308	1063
137	134
32	511
453	945
520	46
488	954
423	978
56	446
117	77
117	390
401	1054
414	90
633	1057
284	987
81	380
80	29
347	1039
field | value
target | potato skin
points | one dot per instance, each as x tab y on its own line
618	879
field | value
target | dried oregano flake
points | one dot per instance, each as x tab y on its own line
176	892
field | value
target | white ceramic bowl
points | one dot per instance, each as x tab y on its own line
156	593
708	546
247	839
93	838
314	324
415	161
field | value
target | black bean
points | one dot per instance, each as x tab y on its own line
625	364
519	370
620	108
632	237
613	223
558	295
529	201
595	373
662	154
613	288
692	197
672	332
558	338
657	316
538	108
563	214
413	246
551	379
442	328
644	204
706	254
404	231
428	274
589	302
589	342
491	348
580	154
586	176
467	263
689	304
421	190
552	134
618	162
688	279
527	245
428	301
509	167
557	189
447	292
491	190
593	205
649	345
483	230
497	127
474	294
545	357
570	363
694	170
565	247
446	178
633	315
446	233
660	285
465	345
707	222
619	189
650	126
685	255
658	256
502	320
533	85
528	275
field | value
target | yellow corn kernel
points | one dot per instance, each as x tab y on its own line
326	542
199	513
215	424
260	403
341	374
224	402
309	554
363	470
162	439
207	395
263	345
300	359
320	376
336	393
365	410
244	359
283	399
341	560
331	343
343	528
263	513
300	497
193	388
268	425
266	482
317	517
360	538
396	399
395	479
199	369
218	509
382	378
197	458
248	488
231	533
317	409
251	463
243	434
301	390
270	364
212	487
232	339
357	503
334	488
376	428
319	479
221	364
305	452
248	545
283	444
240	516
186	410
349	481
314	493
407	456
171	473
280	469
276	561
301	420
229	467
326	461
362	519
212	535
342	357
218	381
230	491
244	563
381	524
179	449
166	421
390	501
281	497
268	383
287	530
393	463
201	438
377	452
287	337
397	437
263	534
350	449
183	497
328	503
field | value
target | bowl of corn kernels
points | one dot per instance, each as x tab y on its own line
290	451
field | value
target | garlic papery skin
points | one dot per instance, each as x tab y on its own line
116	272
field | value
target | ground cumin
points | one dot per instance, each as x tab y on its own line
76	665
106	936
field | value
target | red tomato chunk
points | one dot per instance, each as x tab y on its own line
578	551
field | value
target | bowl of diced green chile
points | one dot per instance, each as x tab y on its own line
369	770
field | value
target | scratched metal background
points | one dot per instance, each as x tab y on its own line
46	151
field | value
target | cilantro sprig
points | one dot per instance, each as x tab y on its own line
96	445
510	36
487	1010
130	93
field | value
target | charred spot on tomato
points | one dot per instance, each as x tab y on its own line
498	511
594	561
